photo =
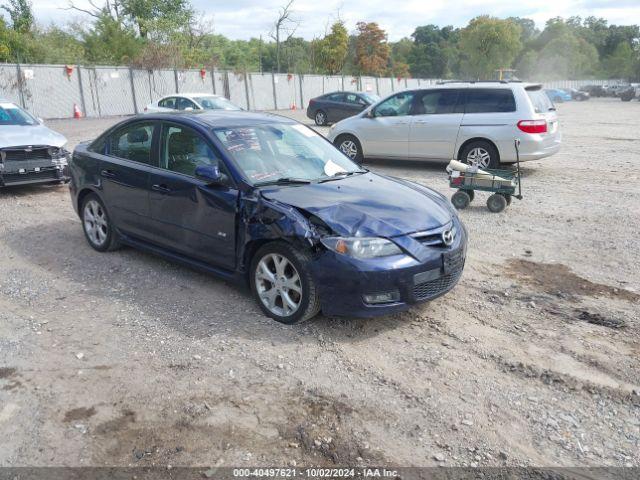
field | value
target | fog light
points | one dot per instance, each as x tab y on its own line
384	297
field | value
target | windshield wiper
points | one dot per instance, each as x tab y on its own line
340	175
283	181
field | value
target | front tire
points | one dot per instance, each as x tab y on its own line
350	146
282	285
480	153
496	203
461	199
97	225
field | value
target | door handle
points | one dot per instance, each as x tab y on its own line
108	173
160	188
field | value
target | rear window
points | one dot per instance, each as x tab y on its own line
540	100
481	100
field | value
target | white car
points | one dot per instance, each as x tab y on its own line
189	102
29	151
475	122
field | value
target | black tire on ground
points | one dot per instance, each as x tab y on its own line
320	118
496	203
350	146
461	199
110	241
477	147
472	194
309	300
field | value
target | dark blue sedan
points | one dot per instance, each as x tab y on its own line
265	200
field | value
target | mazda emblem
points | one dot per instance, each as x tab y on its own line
447	237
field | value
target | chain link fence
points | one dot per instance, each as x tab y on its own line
56	91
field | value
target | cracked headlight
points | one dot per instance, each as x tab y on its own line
362	247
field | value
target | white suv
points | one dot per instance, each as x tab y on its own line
476	122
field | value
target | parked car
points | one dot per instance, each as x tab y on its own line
29	151
474	122
629	94
337	106
594	90
557	95
614	90
264	199
190	101
577	95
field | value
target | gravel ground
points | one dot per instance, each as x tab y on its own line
124	359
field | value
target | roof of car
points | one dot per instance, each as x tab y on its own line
186	94
220	118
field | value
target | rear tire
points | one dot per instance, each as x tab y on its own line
496	203
320	118
481	153
461	200
350	146
282	285
97	226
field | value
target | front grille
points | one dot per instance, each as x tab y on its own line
433	288
49	174
22	154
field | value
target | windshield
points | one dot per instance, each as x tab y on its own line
268	153
216	103
371	98
11	114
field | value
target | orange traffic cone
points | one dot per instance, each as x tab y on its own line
293	106
76	111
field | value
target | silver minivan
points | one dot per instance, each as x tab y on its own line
475	122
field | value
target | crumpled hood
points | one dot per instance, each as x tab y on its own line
19	135
368	205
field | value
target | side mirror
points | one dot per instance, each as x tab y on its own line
369	114
211	174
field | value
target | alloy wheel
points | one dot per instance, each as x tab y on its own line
479	156
95	223
320	118
349	148
278	285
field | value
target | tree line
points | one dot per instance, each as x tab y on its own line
172	34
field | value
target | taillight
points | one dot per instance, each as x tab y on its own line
533	126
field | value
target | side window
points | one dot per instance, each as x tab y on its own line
336	97
438	102
490	100
133	142
168	103
98	145
396	106
184	103
183	150
352	98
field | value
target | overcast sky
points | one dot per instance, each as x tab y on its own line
243	19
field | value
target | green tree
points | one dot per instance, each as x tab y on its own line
331	51
621	63
434	53
21	15
488	44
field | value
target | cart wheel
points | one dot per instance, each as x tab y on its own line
508	198
461	200
496	203
471	193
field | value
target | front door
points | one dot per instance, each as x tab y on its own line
386	132
188	215
124	173
436	123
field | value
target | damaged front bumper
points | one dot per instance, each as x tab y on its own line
352	287
23	166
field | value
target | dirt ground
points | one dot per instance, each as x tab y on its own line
124	359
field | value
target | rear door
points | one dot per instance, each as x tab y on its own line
333	105
436	123
188	215
129	158
386	133
353	104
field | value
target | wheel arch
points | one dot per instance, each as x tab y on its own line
82	194
477	139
